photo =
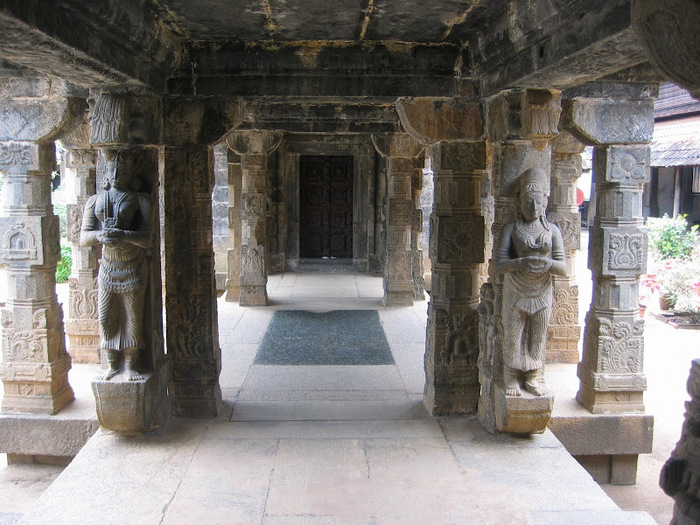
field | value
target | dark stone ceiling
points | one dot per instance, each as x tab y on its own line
427	21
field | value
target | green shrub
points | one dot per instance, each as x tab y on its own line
64	265
671	238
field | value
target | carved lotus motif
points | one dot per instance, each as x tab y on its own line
627	164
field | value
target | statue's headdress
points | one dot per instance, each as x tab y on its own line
535	180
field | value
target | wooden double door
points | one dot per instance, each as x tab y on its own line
325	195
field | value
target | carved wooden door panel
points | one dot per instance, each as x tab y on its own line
325	195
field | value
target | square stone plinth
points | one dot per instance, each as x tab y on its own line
131	407
524	414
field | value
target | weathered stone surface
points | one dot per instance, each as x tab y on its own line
608	434
555	45
604	121
431	120
531	114
131	407
525	414
124	120
36	119
452	343
402	166
668	31
78	43
680	470
190	293
191	120
48	435
318	68
254	147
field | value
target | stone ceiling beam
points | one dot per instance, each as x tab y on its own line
323	69
320	117
97	44
551	48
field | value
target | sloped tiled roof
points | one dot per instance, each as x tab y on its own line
676	142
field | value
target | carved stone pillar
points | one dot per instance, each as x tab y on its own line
521	124
564	331
35	363
190	292
82	326
613	351
254	148
400	152
417	271
192	334
219	206
235	180
457	240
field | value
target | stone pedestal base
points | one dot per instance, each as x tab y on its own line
398	298
83	340
524	414
253	295
36	388
132	407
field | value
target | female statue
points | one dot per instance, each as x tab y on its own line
118	217
530	251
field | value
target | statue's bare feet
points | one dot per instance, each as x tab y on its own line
110	374
133	375
532	386
512	388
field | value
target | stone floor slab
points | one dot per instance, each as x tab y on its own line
321	410
226	482
399	429
273	377
321	478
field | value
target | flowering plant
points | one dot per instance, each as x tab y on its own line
677	281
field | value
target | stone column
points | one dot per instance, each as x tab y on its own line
220	204
564	331
417	229
461	158
35	363
521	125
190	290
82	326
191	125
611	369
254	148
235	179
400	152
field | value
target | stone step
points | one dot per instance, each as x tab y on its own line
420	471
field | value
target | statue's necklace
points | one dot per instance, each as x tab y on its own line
532	232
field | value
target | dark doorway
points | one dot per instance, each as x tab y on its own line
325	195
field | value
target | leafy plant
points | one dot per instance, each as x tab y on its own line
64	265
671	238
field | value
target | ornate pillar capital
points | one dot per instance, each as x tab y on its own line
253	142
431	120
525	114
397	145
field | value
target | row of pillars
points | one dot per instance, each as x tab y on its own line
477	156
